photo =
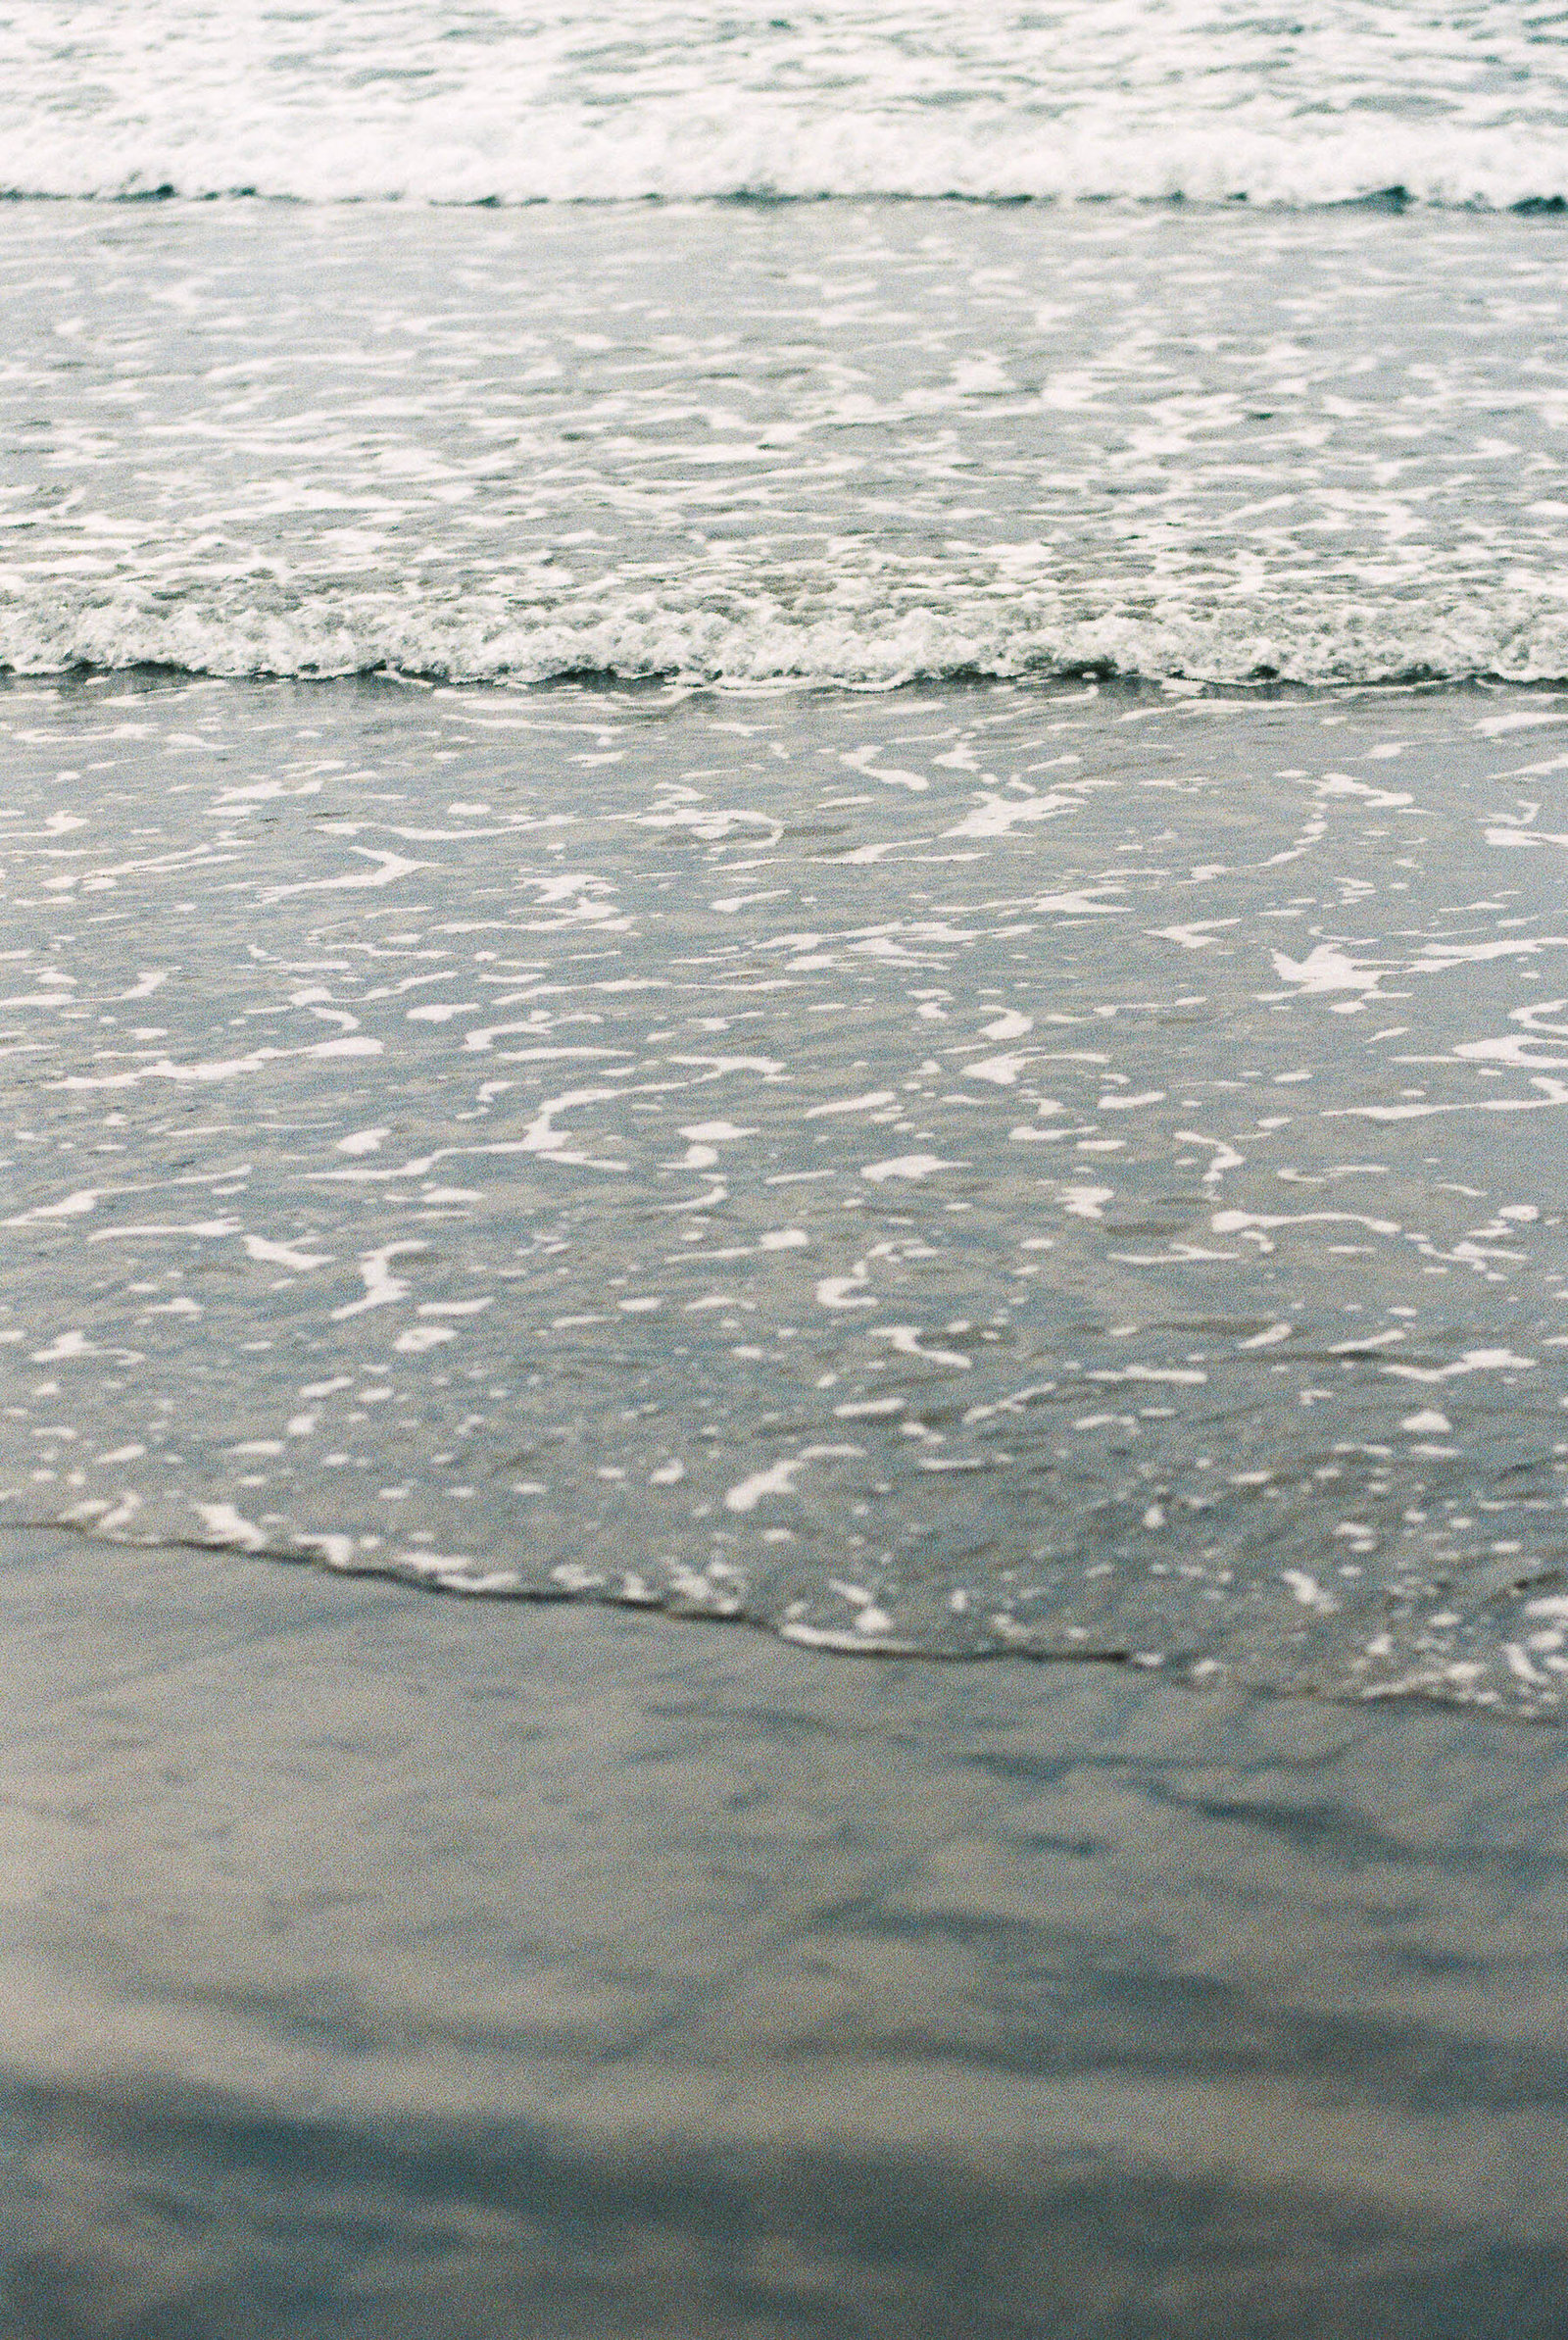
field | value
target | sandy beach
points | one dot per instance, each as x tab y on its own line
784	1315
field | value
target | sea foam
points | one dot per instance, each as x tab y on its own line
1207	99
1519	636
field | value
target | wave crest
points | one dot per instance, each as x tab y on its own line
680	157
379	99
1515	636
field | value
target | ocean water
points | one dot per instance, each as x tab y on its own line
565	721
1056	1171
1210	99
852	443
782	848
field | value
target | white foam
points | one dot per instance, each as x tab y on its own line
1328	636
377	99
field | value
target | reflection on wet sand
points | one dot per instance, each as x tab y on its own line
384	1966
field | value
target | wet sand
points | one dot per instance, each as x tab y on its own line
379	1963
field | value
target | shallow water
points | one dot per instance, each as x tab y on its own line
853	443
975	1171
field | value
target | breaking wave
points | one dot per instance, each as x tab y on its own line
1211	100
1514	636
677	155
